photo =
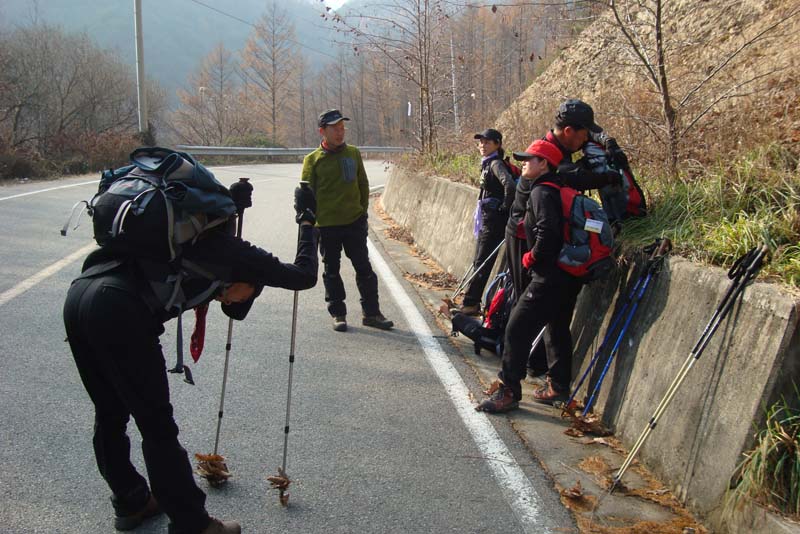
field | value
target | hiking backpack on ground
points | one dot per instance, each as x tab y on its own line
588	239
619	201
498	301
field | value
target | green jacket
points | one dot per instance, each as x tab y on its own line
340	184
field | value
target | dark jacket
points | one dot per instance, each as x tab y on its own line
519	206
544	224
577	176
230	259
497	182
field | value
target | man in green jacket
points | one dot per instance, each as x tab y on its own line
336	174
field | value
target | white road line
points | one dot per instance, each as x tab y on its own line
45	273
514	484
48	189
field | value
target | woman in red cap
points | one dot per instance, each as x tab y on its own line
549	297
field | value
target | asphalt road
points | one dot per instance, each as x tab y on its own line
381	435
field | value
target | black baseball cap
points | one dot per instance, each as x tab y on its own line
491	134
331	116
576	113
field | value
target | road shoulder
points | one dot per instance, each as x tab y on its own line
579	464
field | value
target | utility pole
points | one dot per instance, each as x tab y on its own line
140	81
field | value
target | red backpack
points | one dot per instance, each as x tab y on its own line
588	238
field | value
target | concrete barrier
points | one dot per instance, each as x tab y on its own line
752	360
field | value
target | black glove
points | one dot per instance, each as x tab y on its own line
614	178
305	204
242	194
616	156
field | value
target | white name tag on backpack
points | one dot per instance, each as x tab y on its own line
593	225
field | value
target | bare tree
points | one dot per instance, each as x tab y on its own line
268	62
408	33
58	86
650	43
213	111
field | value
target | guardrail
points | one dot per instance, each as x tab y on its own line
250	151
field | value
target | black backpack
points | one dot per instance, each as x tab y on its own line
147	212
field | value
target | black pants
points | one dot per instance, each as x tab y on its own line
543	303
114	341
490	235
351	238
515	248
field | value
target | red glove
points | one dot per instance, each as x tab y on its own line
528	259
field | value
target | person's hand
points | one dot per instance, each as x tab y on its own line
615	154
305	205
528	259
614	178
236	292
242	194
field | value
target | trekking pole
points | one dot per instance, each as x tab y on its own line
465	281
741	274
281	481
214	467
651	270
611	328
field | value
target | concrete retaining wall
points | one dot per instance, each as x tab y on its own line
751	361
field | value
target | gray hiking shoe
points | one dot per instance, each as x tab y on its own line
130	522
377	321
471	309
340	323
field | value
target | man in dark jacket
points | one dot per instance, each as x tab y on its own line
549	298
494	200
113	330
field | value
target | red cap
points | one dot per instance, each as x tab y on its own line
543	149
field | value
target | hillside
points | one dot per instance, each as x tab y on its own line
601	70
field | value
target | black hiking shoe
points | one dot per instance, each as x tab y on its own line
130	522
340	323
377	321
502	399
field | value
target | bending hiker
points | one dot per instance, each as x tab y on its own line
336	174
494	200
549	298
113	326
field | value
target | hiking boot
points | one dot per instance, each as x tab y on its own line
222	527
377	321
130	522
471	309
549	394
502	400
340	323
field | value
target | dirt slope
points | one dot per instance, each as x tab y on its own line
701	34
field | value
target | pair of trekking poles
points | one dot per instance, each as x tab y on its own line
659	249
741	274
281	480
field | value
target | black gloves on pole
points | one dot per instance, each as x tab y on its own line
242	194
305	204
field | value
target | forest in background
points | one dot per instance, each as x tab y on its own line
407	72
